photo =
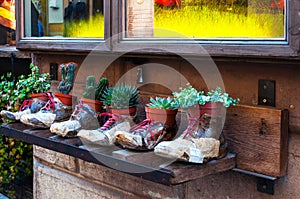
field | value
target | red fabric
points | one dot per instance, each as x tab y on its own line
169	3
277	4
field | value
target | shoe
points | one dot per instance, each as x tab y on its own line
105	135
145	135
83	117
54	110
198	143
27	107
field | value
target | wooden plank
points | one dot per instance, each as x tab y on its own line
259	138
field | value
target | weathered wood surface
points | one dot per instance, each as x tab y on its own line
152	167
259	138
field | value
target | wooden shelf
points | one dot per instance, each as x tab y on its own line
145	165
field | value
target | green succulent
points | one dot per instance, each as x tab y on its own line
163	103
217	95
94	90
122	96
187	97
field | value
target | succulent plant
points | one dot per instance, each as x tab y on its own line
163	103
67	76
217	95
121	96
90	87
187	97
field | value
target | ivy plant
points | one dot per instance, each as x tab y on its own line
16	156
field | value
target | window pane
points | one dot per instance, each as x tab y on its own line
206	19
64	18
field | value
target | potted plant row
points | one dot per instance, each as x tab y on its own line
93	94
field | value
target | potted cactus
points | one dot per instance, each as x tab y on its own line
93	94
122	99
66	83
163	110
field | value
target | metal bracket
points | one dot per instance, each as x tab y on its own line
266	92
264	183
53	71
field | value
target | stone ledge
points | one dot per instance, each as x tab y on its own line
55	158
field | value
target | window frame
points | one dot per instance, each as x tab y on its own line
114	39
60	44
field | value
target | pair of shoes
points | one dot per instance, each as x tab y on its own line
197	144
83	117
145	135
105	135
54	110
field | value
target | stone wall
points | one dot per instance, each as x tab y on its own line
240	79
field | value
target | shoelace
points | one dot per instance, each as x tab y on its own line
113	118
50	104
191	127
79	108
26	104
142	126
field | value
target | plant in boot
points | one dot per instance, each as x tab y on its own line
121	97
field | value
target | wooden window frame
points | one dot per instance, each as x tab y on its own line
114	40
52	44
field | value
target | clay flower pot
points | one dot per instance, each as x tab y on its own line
211	108
42	96
94	104
131	111
167	117
66	99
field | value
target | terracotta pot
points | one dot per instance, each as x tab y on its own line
130	111
94	104
42	96
211	108
66	99
168	117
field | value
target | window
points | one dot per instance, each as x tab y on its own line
206	19
69	18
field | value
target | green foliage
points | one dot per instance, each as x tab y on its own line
217	95
16	156
94	90
122	96
187	96
163	103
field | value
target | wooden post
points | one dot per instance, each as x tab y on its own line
140	18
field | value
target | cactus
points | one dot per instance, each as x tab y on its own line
67	74
94	91
122	96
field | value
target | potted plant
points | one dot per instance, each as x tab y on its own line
163	110
66	83
36	84
215	100
93	94
122	99
188	99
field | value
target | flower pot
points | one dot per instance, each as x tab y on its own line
211	108
42	96
127	111
167	117
66	99
94	104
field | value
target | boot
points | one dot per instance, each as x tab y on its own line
54	110
105	135
27	107
83	117
145	135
